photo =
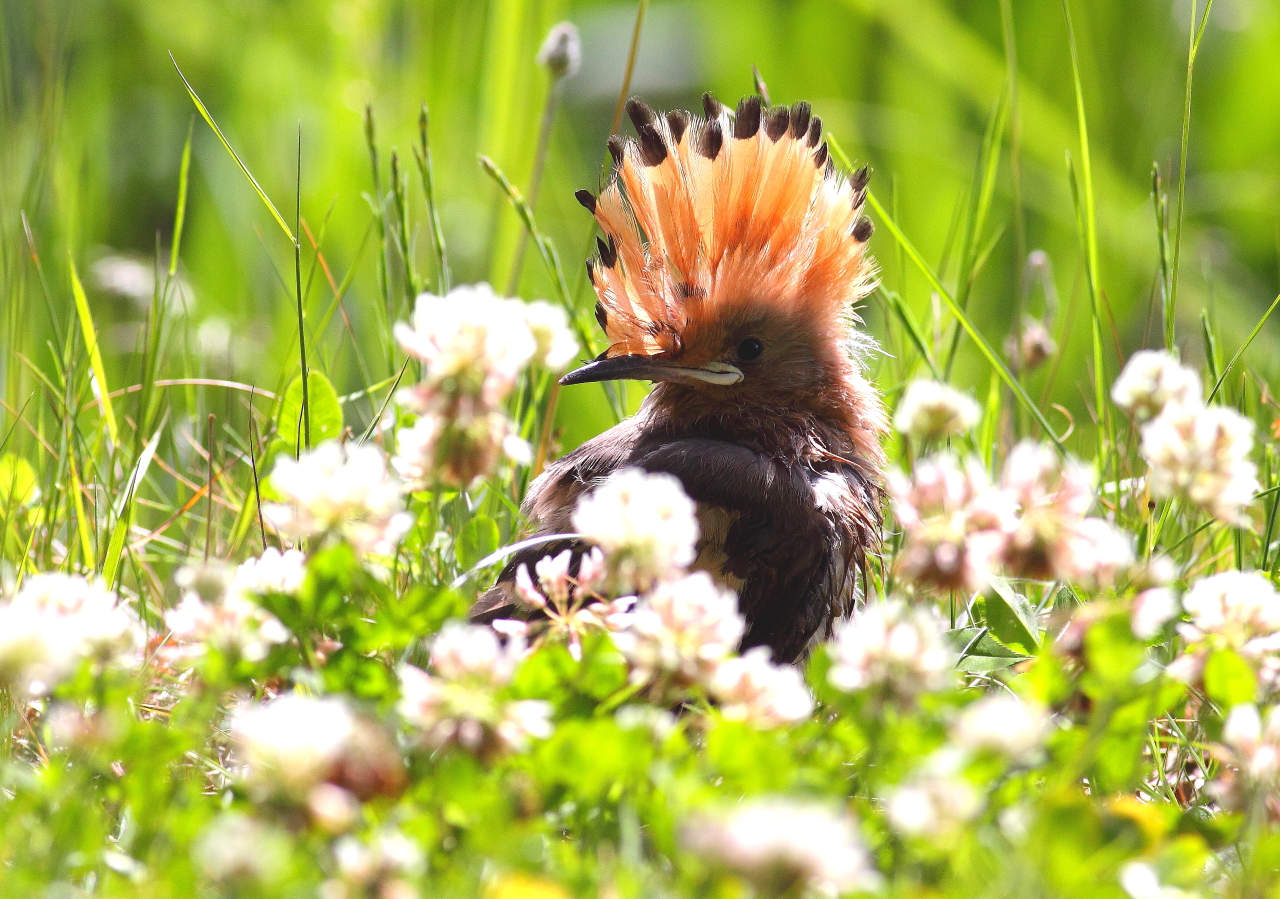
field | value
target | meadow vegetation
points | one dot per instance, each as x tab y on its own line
287	288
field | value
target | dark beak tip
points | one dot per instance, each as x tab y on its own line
611	369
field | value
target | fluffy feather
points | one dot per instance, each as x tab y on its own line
705	215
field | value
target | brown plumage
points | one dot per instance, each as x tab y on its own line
732	258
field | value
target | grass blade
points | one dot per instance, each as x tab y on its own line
180	216
204	114
124	510
1244	346
95	354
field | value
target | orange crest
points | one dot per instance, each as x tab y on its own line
706	215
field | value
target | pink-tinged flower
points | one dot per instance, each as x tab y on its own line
469	652
1237	610
340	489
752	688
644	523
930	409
1004	724
892	647
783	846
570	601
1202	455
1052	538
954	521
459	702
682	630
1152	380
561	52
1031	347
1250	758
382	866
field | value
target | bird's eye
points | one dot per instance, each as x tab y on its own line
750	349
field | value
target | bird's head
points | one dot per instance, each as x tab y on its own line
732	260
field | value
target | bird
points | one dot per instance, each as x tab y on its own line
732	261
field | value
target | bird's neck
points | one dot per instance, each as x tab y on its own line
782	427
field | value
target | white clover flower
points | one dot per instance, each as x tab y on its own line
343	489
292	743
683	629
549	326
1254	745
467	713
930	409
935	801
456	445
780	844
272	572
954	520
1152	380
1202	455
237	849
31	650
522	721
458	704
1234	606
472	341
890	646
473	652
375	867
1140	881
1004	724
752	688
55	621
215	611
1152	609
645	524
561	52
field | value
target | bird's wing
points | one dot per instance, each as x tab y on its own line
796	535
549	506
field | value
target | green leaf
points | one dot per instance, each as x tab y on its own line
478	538
17	482
1010	616
1229	680
326	413
977	642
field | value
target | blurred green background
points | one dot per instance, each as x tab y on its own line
93	118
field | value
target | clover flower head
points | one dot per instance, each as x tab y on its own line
272	572
780	845
931	409
216	610
752	688
890	646
1004	724
56	620
936	801
1202	455
682	630
954	520
340	489
291	743
644	523
1152	380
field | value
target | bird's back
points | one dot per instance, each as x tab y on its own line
788	532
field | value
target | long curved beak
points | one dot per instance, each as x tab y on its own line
647	368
